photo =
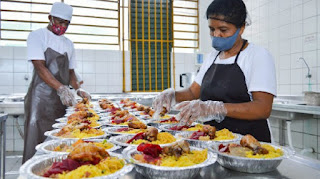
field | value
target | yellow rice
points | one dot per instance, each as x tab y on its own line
195	157
273	153
224	134
105	167
165	117
134	131
104	144
195	128
87	133
162	138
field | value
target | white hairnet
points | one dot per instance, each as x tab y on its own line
61	10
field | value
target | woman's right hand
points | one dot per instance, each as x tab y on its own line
165	99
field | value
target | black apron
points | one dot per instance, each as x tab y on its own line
42	104
226	83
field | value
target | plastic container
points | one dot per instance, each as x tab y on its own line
312	98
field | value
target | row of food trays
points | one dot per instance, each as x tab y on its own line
86	138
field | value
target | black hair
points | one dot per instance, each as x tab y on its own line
231	11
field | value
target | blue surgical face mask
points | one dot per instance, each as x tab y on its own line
224	43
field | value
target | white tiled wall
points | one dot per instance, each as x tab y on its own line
100	70
289	30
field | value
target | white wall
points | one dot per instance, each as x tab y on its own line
289	30
205	40
100	70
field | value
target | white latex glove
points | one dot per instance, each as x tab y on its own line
166	98
83	94
190	111
66	96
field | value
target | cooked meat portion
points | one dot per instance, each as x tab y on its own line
137	125
151	134
177	149
88	152
253	144
210	131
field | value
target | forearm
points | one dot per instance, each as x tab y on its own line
47	77
185	95
253	110
191	93
73	79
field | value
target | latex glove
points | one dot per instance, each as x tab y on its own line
83	94
166	98
191	111
66	96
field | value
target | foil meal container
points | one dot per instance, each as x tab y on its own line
61	125
166	128
113	131
62	120
157	172
52	133
36	165
122	139
203	143
251	165
138	113
49	146
128	108
157	125
109	123
68	113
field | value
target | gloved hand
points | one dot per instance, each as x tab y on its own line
66	96
202	110
83	94
166	98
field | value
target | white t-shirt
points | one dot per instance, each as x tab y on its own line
41	39
257	65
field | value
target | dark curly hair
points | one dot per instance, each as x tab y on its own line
231	11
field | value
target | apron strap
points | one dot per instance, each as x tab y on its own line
235	61
244	43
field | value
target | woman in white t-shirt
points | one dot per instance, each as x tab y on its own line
236	84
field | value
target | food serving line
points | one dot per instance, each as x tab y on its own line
293	167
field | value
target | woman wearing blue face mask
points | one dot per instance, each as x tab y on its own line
235	86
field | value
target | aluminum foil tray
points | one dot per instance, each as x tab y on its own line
157	125
204	144
128	108
251	165
166	128
155	172
49	146
109	123
38	164
62	120
52	136
61	125
68	113
138	113
122	139
113	131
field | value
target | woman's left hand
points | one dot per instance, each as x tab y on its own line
190	111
